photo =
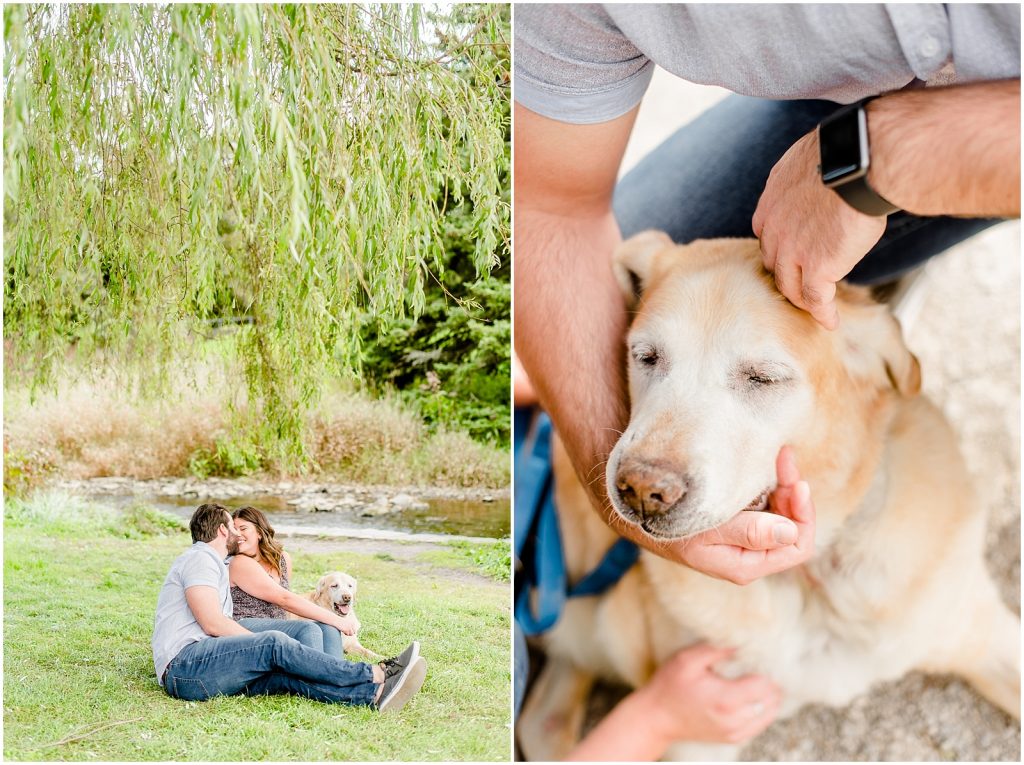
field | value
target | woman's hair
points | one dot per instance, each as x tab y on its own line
269	548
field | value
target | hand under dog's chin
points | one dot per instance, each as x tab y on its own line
668	528
680	526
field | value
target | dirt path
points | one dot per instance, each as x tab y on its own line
404	553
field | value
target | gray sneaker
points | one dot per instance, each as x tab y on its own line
403	676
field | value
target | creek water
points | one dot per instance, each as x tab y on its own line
455	518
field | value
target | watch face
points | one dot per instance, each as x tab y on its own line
843	152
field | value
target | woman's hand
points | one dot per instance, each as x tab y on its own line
684	701
346	625
687	701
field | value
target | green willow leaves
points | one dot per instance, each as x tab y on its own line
283	168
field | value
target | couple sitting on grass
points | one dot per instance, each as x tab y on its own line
204	646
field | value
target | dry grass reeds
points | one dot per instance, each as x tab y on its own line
89	429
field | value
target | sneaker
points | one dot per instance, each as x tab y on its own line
403	676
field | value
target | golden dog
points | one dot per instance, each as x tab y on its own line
723	371
337	592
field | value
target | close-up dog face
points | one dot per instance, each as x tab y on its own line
339	589
723	372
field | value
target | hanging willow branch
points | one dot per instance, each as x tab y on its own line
166	166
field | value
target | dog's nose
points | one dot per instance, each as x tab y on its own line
648	488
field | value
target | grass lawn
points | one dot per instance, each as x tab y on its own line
79	682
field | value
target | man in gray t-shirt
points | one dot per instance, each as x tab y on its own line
175	625
199	651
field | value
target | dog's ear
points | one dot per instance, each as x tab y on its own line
632	262
322	585
874	345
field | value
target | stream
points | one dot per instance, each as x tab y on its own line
328	510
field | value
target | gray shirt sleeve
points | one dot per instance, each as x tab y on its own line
572	63
590	63
204	572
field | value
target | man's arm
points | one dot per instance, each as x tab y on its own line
934	151
570	317
205	604
570	326
948	151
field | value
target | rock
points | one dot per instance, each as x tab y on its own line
402	501
380	507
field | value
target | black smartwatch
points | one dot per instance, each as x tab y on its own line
845	158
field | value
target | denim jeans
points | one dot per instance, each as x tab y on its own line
520	667
266	663
705	180
322	637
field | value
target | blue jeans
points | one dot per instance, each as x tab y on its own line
520	668
266	663
322	637
706	179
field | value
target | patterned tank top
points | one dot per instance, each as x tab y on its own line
246	606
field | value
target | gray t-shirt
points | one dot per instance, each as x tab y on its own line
175	626
592	63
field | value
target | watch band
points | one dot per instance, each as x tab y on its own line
855	190
860	196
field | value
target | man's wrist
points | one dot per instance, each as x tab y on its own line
948	150
880	176
847	155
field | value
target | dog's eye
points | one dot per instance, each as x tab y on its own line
646	355
334	586
766	375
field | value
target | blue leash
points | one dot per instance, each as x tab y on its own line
537	532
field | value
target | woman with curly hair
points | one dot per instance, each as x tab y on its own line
260	585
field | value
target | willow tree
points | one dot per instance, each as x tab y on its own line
286	167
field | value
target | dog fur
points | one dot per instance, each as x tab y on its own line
336	591
898	580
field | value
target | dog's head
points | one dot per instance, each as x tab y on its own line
338	589
724	371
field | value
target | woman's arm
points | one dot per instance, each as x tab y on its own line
247	574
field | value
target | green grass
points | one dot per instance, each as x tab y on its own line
79	597
492	560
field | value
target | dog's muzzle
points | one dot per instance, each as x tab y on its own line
650	489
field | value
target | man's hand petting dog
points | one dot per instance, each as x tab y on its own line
810	238
756	544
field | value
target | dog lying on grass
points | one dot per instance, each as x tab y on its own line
337	591
723	372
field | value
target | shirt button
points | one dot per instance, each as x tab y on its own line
929	47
